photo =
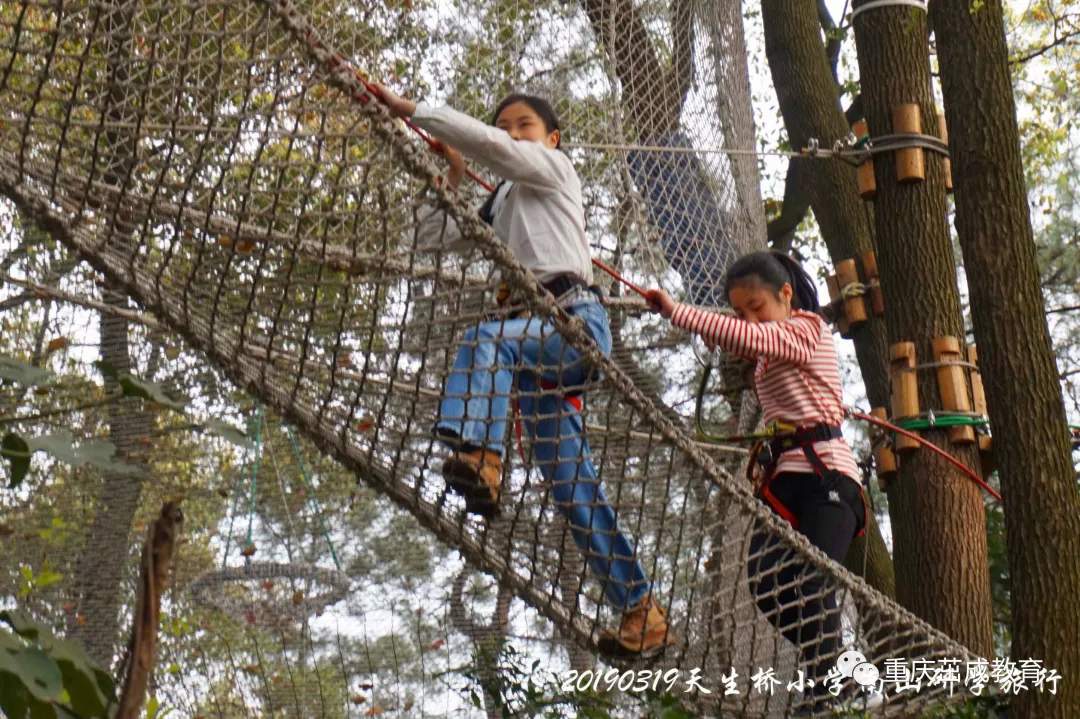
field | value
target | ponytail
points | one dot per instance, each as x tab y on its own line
804	292
775	269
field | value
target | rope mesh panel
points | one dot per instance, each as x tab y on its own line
200	157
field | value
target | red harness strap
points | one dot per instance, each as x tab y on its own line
803	439
780	508
574	400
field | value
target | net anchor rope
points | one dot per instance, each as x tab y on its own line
571	328
347	277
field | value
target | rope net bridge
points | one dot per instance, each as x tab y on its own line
221	164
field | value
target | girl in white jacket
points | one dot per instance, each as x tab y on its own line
537	210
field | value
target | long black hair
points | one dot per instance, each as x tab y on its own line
547	115
775	269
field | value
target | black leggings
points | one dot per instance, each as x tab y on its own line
797	599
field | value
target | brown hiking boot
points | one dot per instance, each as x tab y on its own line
476	476
644	632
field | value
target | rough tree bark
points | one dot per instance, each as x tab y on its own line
940	553
99	577
810	104
100	572
1031	447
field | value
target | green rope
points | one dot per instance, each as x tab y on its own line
939	420
251	429
232	514
316	508
773	429
254	484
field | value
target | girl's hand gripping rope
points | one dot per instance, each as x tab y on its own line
457	164
398	106
661	302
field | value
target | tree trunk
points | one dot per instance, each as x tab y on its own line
99	578
940	553
100	573
487	639
1031	447
810	103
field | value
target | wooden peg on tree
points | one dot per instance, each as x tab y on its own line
905	389
834	299
884	457
873	283
952	386
865	173
978	401
847	276
943	132
910	161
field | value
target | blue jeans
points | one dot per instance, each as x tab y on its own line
476	408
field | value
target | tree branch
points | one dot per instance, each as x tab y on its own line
781	230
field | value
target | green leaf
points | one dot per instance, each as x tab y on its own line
135	387
132	386
101	453
14	699
227	431
80	683
23	373
17	451
47	578
46	710
95	452
87	689
106	369
38	673
60	444
89	695
21	623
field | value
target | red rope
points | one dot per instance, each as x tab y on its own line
620	278
930	445
437	146
431	141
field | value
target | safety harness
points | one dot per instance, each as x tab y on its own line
560	287
788	438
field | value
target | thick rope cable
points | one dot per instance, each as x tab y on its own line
253	485
967	471
571	328
346	331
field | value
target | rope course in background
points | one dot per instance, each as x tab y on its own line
265	218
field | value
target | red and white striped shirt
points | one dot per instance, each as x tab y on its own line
797	376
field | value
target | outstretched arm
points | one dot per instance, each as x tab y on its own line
793	339
530	163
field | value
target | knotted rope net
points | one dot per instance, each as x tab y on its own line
223	165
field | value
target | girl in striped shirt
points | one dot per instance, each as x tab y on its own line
810	477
